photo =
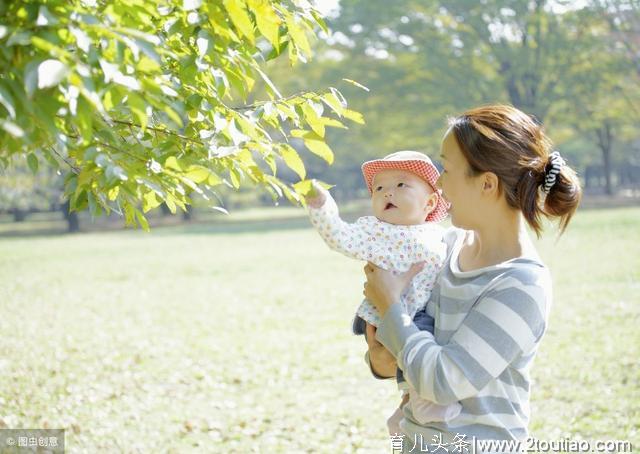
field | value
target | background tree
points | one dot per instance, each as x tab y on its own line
423	61
24	190
145	102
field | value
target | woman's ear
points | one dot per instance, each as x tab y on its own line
490	183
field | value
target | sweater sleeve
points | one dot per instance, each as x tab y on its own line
350	239
506	323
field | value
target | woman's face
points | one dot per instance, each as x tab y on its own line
458	188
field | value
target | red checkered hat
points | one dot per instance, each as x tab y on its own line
414	162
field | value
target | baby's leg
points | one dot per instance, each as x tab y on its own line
393	423
425	411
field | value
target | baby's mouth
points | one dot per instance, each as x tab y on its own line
389	206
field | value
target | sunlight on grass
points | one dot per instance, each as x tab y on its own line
240	342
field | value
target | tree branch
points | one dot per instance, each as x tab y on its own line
164	131
74	169
258	104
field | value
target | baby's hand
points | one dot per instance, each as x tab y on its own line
316	197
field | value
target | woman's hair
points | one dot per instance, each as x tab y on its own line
511	144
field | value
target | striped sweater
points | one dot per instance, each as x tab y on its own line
488	324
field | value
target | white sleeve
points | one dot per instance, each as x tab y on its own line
349	239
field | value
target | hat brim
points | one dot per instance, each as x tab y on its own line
422	168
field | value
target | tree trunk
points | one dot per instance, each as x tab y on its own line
188	215
19	215
73	224
605	142
165	209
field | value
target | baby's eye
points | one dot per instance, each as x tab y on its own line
401	185
379	188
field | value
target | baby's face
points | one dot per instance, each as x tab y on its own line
401	198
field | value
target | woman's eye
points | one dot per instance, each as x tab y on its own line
379	188
401	185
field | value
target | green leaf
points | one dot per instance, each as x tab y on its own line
31	77
220	209
197	174
332	122
94	207
353	116
138	108
320	148
142	220
316	15
32	160
303	187
297	33
292	159
275	52
129	213
312	119
214	179
115	172
112	194
332	100
172	163
112	97
78	83
147	65
267	20
353	82
7	101
235	178
315	144
170	201
150	201
240	18
84	119
173	115
20	38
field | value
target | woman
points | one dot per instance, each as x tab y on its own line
492	297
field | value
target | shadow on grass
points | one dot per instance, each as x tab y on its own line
229	227
163	227
42	227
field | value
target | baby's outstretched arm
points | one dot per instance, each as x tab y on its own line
346	238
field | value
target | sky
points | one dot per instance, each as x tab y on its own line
325	6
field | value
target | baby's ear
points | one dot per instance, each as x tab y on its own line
432	201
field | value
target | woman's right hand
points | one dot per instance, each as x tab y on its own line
383	363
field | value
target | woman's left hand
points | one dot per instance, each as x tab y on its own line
383	288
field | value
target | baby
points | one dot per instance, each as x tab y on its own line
404	230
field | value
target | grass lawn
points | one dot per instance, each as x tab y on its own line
210	339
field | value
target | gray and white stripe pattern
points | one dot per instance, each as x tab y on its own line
556	162
488	324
